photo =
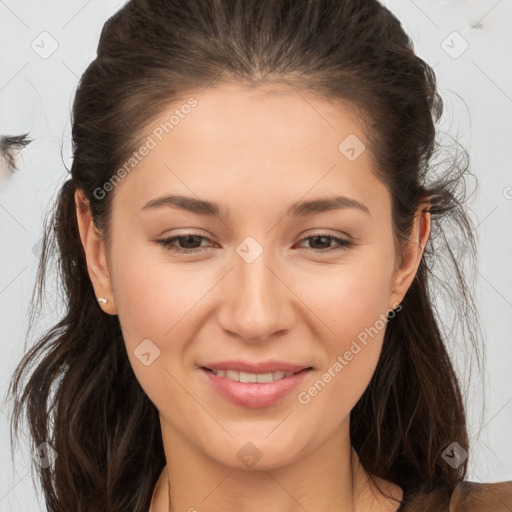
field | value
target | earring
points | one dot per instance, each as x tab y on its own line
102	300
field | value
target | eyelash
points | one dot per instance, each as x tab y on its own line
166	243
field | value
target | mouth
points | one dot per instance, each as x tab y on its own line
247	377
254	389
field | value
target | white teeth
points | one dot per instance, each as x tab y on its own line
252	377
247	377
267	377
231	374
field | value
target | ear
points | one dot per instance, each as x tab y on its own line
412	251
94	248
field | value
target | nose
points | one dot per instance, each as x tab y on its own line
257	305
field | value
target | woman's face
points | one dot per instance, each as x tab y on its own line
264	289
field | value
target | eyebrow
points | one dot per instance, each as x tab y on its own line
299	209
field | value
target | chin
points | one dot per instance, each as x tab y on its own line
259	452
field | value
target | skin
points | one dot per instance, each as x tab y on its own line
255	152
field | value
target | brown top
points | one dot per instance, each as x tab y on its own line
466	497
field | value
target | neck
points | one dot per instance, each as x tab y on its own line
328	479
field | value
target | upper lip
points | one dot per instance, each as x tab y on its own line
263	367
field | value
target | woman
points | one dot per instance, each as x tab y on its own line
247	243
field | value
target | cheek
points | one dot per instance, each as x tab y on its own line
352	302
155	296
156	301
350	297
356	314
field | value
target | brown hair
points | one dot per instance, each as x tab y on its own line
81	395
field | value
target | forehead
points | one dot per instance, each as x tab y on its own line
244	120
253	143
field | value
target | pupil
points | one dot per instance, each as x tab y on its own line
189	239
317	238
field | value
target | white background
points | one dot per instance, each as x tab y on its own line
36	95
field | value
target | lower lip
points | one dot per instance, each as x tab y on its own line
255	394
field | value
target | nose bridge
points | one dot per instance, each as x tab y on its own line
255	306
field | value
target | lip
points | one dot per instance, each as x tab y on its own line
262	367
254	394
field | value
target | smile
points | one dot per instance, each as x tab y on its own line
254	390
252	377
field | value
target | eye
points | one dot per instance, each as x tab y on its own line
190	239
323	238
